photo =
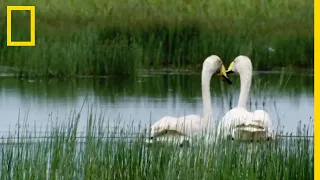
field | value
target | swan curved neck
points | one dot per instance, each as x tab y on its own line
206	96
245	84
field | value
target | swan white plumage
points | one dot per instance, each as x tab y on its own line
239	123
184	128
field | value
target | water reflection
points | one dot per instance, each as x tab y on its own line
287	97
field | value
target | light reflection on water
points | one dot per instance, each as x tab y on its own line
148	98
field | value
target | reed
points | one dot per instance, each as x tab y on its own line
102	152
106	37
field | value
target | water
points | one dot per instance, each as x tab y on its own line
288	97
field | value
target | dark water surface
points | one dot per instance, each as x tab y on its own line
288	97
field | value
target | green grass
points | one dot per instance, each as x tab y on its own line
61	154
101	37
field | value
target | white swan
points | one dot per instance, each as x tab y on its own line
183	128
239	123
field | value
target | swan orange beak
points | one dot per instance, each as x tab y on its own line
223	74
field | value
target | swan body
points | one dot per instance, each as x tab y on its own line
182	129
239	123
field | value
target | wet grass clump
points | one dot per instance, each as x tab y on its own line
101	37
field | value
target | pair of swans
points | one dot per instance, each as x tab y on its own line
238	123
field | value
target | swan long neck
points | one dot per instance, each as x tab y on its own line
206	96
245	84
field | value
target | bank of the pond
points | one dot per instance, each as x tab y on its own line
122	37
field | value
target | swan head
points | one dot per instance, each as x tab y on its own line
214	66
241	64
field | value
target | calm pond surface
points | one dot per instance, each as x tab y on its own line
288	97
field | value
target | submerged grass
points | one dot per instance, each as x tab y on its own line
100	37
100	155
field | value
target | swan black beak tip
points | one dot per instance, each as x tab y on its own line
227	80
229	72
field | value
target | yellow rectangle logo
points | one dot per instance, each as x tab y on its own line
32	25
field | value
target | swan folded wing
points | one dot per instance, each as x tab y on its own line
253	123
259	123
251	127
165	123
233	119
186	125
262	117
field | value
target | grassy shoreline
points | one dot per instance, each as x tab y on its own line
122	37
94	157
60	154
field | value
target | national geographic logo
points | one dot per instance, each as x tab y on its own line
32	25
